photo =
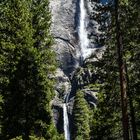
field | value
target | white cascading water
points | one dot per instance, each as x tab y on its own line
85	51
83	35
66	122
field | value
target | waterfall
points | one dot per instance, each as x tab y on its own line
66	122
85	50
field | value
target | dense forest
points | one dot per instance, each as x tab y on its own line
28	65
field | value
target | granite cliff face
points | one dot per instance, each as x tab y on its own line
65	43
71	74
63	12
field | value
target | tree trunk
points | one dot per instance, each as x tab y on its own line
122	76
132	112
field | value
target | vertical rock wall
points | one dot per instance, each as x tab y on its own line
63	12
65	45
69	75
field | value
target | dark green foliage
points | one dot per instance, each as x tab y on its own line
106	119
25	73
27	64
41	21
16	45
129	17
81	128
107	116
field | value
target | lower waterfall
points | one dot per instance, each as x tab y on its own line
66	122
84	52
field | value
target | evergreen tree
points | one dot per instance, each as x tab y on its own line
130	29
81	128
128	14
41	22
106	120
26	86
123	82
16	42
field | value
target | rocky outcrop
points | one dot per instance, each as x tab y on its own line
70	75
65	24
62	88
65	45
63	85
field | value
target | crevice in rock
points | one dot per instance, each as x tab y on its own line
67	41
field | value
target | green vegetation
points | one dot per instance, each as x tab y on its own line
26	63
27	66
115	106
81	128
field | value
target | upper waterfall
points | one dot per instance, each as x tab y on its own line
74	40
85	49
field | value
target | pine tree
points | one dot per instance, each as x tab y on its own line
27	88
128	13
131	42
81	128
106	120
16	41
41	22
123	82
129	30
